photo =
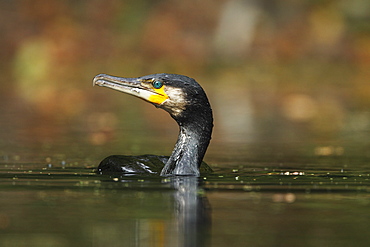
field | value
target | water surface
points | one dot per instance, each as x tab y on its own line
306	201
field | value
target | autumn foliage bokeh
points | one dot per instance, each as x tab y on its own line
298	65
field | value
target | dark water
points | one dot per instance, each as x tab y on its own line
305	201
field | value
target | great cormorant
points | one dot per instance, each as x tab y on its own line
185	100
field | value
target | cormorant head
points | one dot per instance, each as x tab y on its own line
181	96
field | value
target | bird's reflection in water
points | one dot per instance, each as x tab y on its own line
192	212
174	212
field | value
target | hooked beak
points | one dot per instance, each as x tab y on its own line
132	86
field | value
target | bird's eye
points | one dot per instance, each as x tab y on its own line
157	84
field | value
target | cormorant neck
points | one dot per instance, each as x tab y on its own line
193	140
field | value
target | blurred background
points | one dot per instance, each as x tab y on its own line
275	71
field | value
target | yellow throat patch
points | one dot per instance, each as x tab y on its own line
158	98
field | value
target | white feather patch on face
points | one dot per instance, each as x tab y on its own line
175	103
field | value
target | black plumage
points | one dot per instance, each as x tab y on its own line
186	102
